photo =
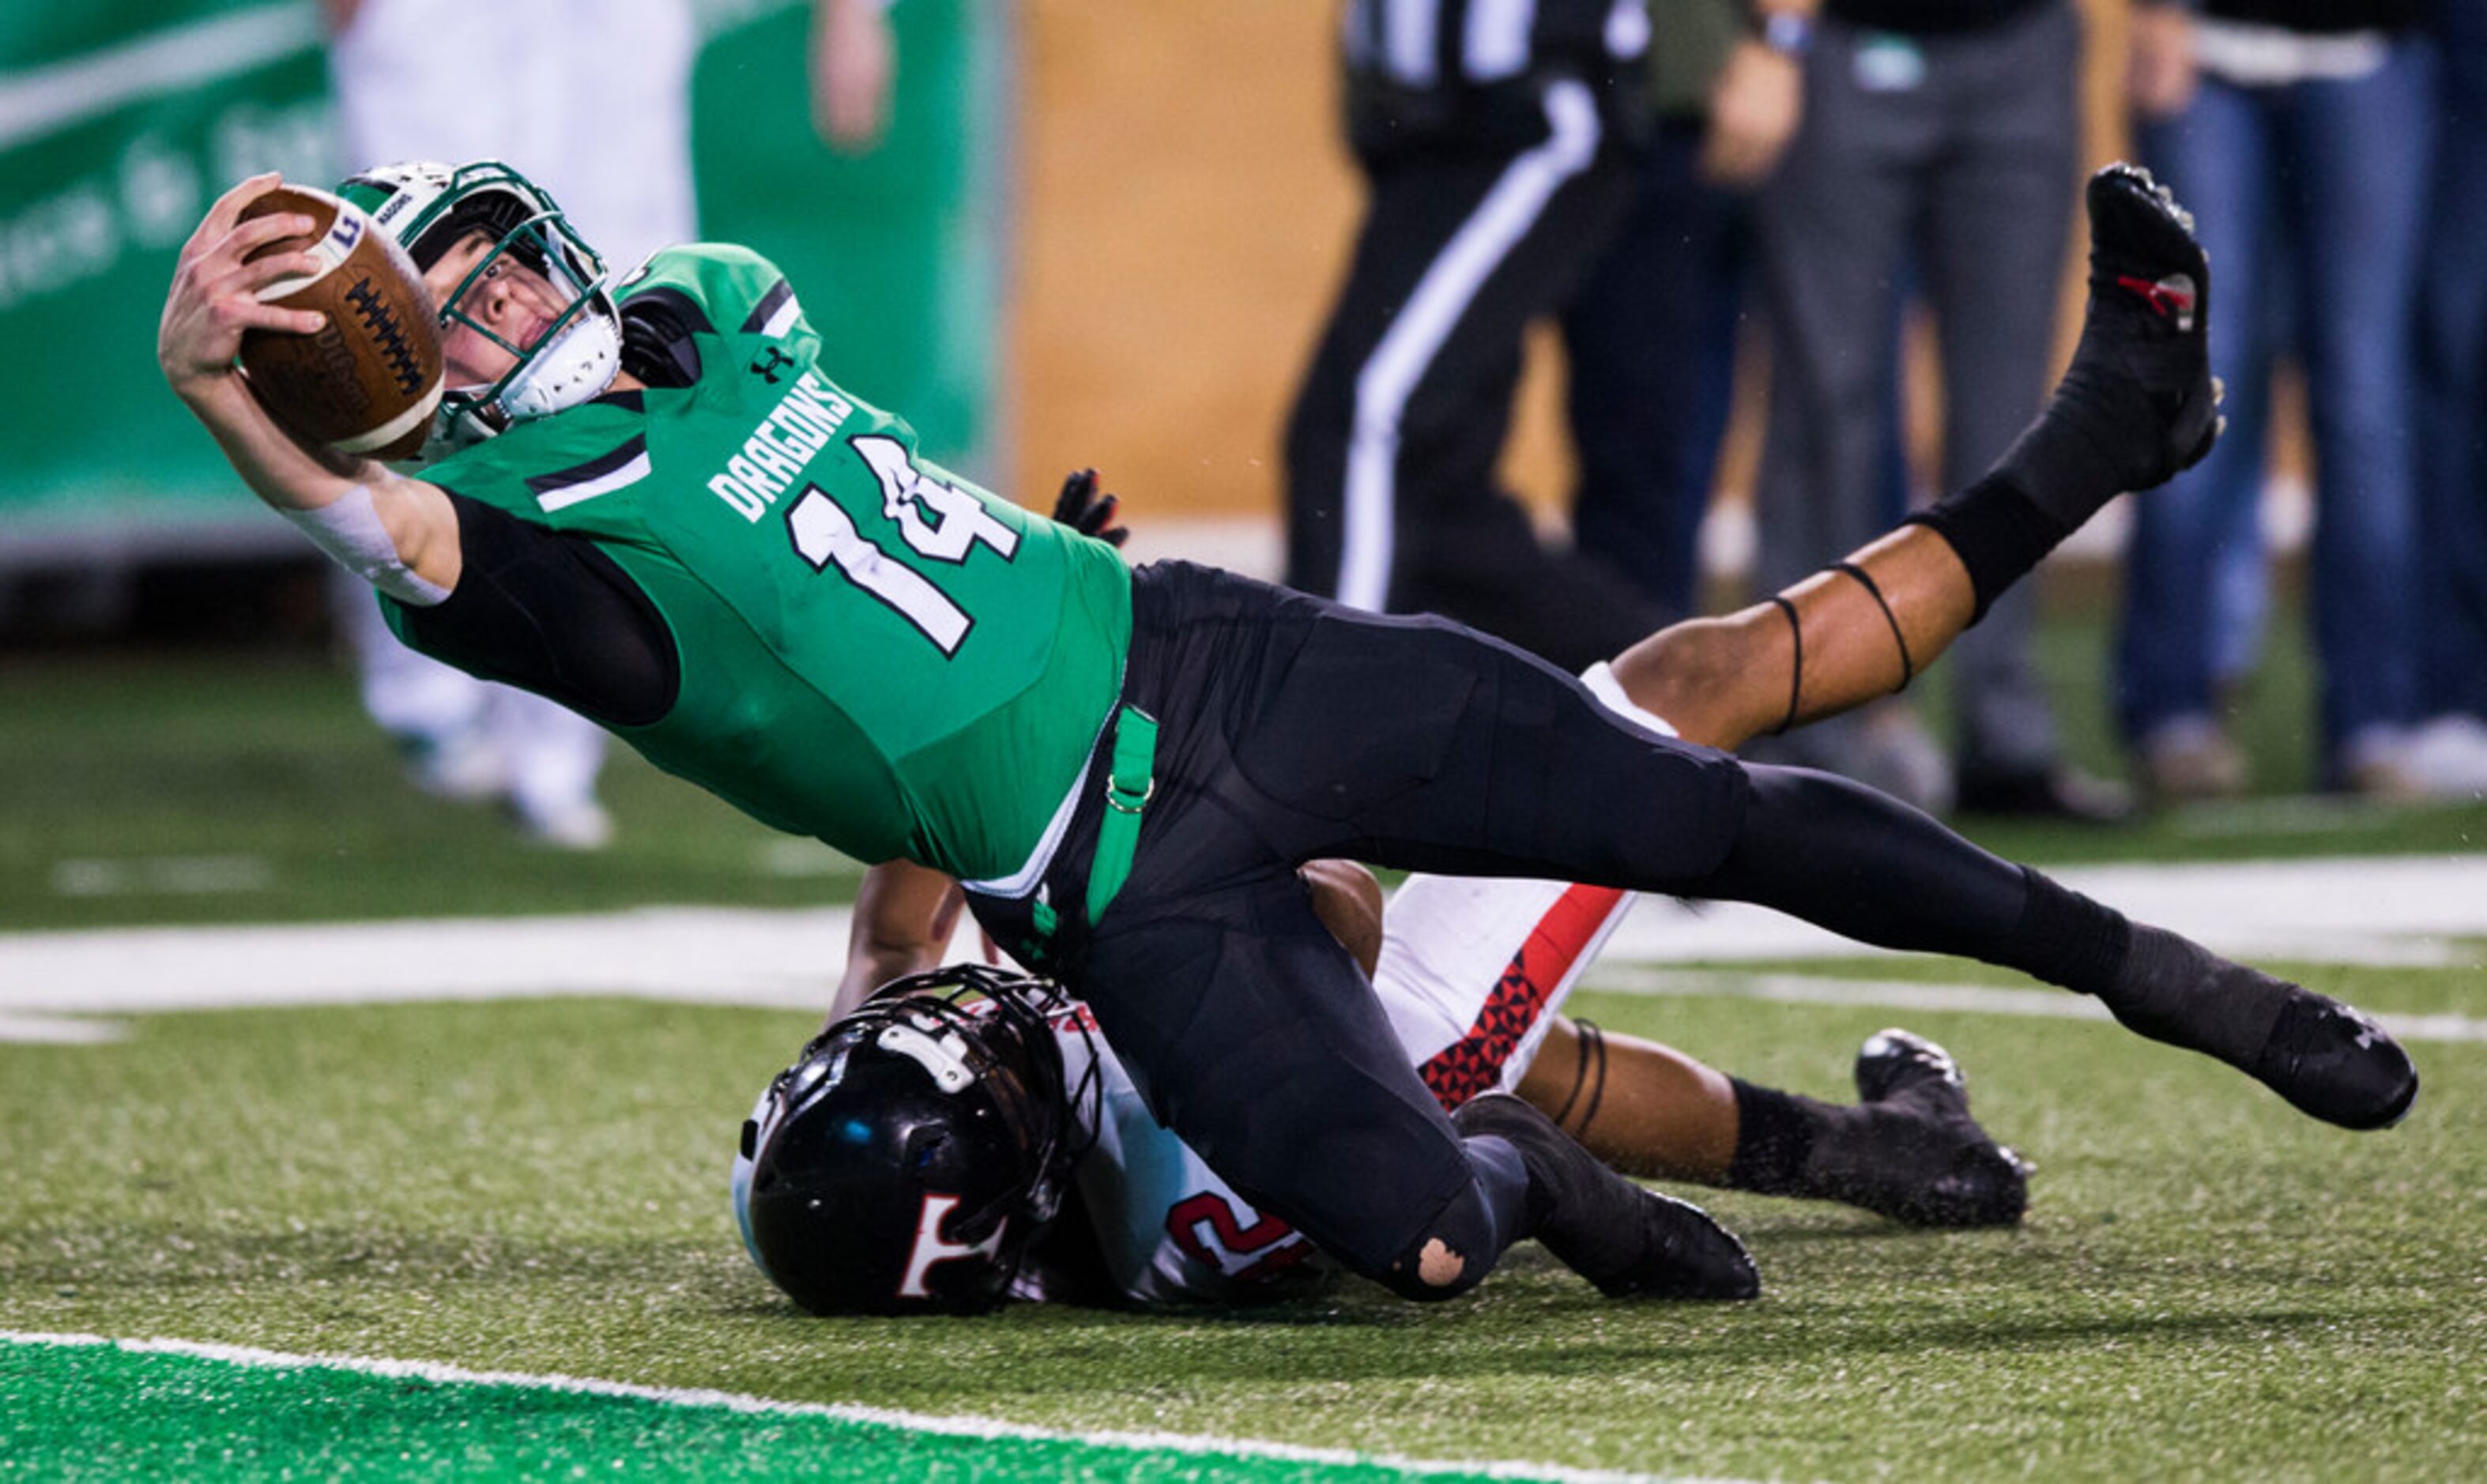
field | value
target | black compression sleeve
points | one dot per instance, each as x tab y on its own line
1842	856
550	613
1864	865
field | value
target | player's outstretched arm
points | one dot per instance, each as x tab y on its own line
903	916
390	529
2137	406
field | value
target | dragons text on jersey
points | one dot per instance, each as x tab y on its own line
859	644
772	458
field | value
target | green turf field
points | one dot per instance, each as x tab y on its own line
2206	1284
453	1202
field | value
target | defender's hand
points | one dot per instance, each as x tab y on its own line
214	293
1083	509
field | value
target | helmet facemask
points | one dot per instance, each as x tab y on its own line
430	208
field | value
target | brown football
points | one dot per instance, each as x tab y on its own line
369	381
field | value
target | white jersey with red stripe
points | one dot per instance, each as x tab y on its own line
1472	974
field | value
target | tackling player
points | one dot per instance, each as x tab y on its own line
678	525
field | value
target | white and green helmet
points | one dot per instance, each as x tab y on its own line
428	207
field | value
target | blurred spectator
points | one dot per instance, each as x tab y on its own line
1942	134
1651	335
853	72
2452	473
621	170
1489	137
2298	133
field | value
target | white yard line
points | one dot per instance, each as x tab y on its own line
727	1401
1954	998
162	876
2408	911
2389	912
57	1029
713	956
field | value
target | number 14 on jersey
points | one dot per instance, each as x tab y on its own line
938	521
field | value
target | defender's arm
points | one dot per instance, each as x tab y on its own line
903	916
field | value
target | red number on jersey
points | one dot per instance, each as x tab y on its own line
1209	1231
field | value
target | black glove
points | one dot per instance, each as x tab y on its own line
1083	509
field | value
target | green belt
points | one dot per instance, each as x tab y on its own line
1130	780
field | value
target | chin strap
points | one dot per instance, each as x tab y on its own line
575	368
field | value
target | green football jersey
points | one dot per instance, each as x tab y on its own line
872	650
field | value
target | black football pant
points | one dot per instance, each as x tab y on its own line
1292	728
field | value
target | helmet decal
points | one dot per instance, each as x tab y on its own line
931	1248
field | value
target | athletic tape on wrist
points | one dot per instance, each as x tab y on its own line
348	529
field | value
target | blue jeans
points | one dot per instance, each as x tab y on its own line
2453	351
2332	173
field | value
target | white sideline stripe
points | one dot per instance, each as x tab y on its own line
58	1030
2393	911
729	1401
1969	999
2389	912
49	99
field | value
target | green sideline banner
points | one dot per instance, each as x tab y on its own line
120	121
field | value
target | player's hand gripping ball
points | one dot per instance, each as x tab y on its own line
368	381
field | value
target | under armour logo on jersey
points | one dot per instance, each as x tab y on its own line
932	1247
767	363
2172	297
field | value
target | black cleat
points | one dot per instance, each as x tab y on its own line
2146	329
1893	1062
2138	402
1630	1242
2329	1060
1915	1155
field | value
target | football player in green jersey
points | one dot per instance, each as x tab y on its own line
672	521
